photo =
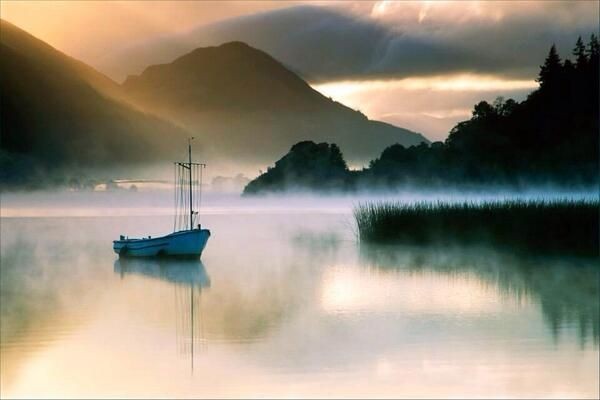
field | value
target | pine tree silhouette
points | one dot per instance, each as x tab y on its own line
552	68
579	52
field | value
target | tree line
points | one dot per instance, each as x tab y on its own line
550	137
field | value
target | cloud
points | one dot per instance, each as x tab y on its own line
91	31
389	39
431	105
420	65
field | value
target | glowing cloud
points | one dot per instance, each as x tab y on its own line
431	105
461	82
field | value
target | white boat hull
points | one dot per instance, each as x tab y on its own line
188	243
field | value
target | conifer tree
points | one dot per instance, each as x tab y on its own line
552	68
593	49
580	54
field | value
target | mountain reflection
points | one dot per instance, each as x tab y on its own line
567	289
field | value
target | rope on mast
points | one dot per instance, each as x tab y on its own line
200	191
188	181
175	197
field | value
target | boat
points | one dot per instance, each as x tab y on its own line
188	238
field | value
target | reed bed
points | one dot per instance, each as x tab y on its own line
557	226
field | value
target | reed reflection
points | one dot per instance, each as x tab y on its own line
566	288
188	278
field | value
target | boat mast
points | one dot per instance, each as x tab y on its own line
181	194
190	174
192	323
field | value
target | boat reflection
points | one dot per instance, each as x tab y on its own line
189	279
188	272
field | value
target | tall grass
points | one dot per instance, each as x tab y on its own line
558	226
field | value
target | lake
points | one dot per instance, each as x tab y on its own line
284	303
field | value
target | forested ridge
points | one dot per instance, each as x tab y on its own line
551	137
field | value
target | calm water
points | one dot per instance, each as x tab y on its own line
285	303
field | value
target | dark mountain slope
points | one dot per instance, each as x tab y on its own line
233	75
56	114
250	107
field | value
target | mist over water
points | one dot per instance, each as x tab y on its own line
149	201
285	302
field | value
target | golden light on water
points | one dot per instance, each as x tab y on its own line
348	290
137	316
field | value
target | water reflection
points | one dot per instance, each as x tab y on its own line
567	289
186	272
188	278
298	311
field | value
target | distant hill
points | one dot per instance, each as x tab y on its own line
59	114
250	107
307	166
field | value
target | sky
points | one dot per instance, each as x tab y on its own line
421	65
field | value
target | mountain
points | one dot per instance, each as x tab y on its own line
249	107
59	114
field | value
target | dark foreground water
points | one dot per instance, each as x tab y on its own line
284	303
